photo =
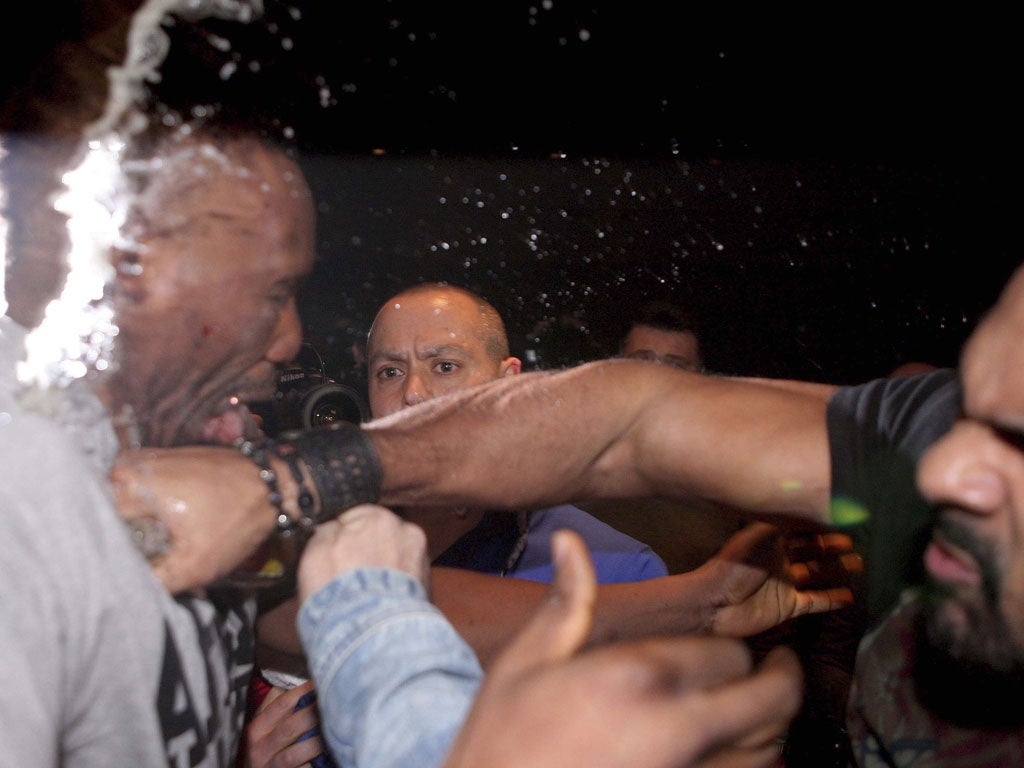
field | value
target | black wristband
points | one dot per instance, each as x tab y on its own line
307	519
342	463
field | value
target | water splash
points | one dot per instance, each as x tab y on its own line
78	330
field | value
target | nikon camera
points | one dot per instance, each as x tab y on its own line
307	397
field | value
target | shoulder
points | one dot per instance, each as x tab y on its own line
909	412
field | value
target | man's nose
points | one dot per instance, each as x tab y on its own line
962	469
415	390
286	339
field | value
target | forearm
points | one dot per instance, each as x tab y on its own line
488	610
613	429
668	605
394	680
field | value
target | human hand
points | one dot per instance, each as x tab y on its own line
366	536
210	500
272	733
758	571
661	703
821	560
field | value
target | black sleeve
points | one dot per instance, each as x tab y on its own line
877	433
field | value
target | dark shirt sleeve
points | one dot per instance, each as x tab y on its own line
877	433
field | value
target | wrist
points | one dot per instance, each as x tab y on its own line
290	490
341	466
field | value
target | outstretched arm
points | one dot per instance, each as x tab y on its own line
744	589
741	591
611	429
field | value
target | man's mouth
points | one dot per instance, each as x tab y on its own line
950	564
230	423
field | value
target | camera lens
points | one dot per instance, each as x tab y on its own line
329	403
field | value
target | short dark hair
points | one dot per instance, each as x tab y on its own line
665	316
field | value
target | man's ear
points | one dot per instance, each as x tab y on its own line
510	366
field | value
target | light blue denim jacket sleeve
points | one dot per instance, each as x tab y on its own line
395	680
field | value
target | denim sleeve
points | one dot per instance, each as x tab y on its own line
395	680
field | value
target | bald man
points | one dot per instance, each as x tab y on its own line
433	339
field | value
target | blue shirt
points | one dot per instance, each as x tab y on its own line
498	546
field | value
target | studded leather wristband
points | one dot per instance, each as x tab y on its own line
342	463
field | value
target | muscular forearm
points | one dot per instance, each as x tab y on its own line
613	429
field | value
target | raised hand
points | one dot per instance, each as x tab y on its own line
760	572
658	703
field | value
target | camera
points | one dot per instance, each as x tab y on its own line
307	397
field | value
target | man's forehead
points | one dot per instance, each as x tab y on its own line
404	320
417	351
239	178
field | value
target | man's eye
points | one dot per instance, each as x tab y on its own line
388	373
446	366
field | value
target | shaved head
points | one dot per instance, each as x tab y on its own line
490	329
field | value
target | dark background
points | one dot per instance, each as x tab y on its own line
832	192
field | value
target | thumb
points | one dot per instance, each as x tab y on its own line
562	622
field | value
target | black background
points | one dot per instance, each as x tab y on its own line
834	192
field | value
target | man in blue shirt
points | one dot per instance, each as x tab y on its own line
433	339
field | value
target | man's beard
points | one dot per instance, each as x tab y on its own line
969	672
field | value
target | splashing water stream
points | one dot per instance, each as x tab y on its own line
77	333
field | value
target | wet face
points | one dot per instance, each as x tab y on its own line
973	627
428	343
678	349
205	295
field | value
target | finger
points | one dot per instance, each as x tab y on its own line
852	562
562	622
819	572
753	711
679	664
756	544
706	683
773	732
277	706
299	753
835	542
821	600
827	547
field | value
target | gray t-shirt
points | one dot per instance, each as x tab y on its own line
99	666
